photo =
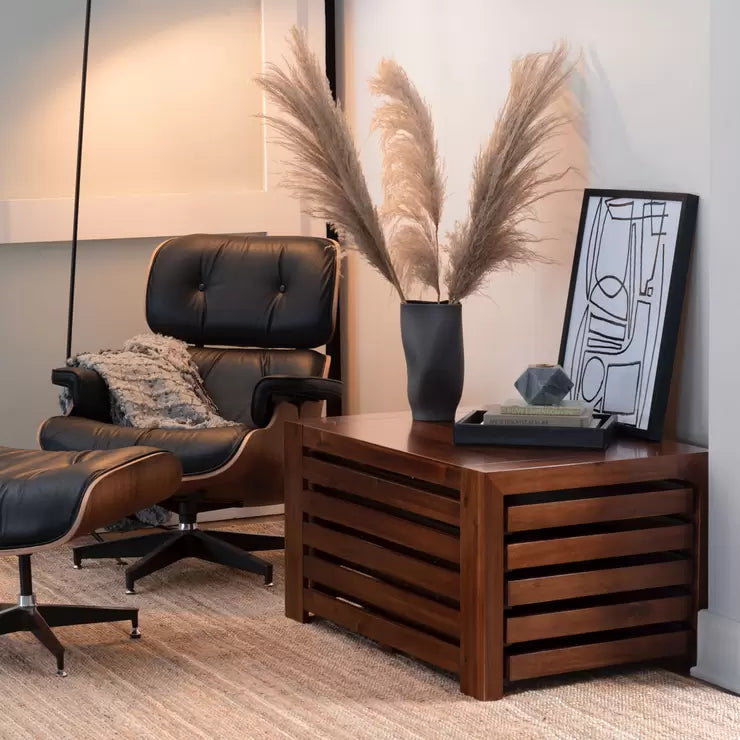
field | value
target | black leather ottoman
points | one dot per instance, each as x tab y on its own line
47	498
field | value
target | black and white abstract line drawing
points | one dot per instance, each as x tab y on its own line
618	302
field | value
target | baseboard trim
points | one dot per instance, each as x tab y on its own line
241	512
718	654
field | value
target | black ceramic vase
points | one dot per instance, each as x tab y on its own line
433	343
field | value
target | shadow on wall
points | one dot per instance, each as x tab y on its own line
558	214
604	128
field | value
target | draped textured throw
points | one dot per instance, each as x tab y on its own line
153	383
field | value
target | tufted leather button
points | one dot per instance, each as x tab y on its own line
202	287
282	288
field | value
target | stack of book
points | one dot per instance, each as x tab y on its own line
520	413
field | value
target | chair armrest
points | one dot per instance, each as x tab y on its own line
88	390
272	389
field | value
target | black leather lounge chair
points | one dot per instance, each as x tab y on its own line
254	309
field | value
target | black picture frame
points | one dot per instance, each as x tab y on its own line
639	422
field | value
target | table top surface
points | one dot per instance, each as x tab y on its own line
396	431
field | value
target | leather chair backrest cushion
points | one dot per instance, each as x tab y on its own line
244	290
230	375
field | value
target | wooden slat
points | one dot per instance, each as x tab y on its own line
415	572
406	639
403	497
599	509
422	466
386	526
597	655
597	619
589	583
596	546
590	469
386	597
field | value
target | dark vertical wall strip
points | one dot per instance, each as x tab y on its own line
78	175
334	347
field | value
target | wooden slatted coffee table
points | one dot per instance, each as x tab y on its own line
498	564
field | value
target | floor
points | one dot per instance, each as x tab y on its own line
219	660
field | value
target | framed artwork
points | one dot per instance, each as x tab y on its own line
624	304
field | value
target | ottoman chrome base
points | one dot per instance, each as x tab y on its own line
28	616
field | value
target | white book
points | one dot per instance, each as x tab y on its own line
564	408
493	416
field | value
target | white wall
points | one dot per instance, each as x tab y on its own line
643	88
719	626
109	307
150	89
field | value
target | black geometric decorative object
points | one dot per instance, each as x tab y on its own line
543	385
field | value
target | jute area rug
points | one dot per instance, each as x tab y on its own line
219	660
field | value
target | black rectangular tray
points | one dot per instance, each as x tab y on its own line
470	430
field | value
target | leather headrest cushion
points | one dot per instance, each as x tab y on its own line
246	291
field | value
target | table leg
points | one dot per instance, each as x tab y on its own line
294	608
481	588
696	472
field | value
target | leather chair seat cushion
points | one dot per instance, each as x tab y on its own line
199	450
41	492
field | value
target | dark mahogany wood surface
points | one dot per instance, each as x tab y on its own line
396	431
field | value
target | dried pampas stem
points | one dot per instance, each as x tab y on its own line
413	182
508	176
325	169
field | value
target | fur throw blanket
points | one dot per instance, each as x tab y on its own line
153	383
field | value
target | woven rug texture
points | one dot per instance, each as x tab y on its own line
219	660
